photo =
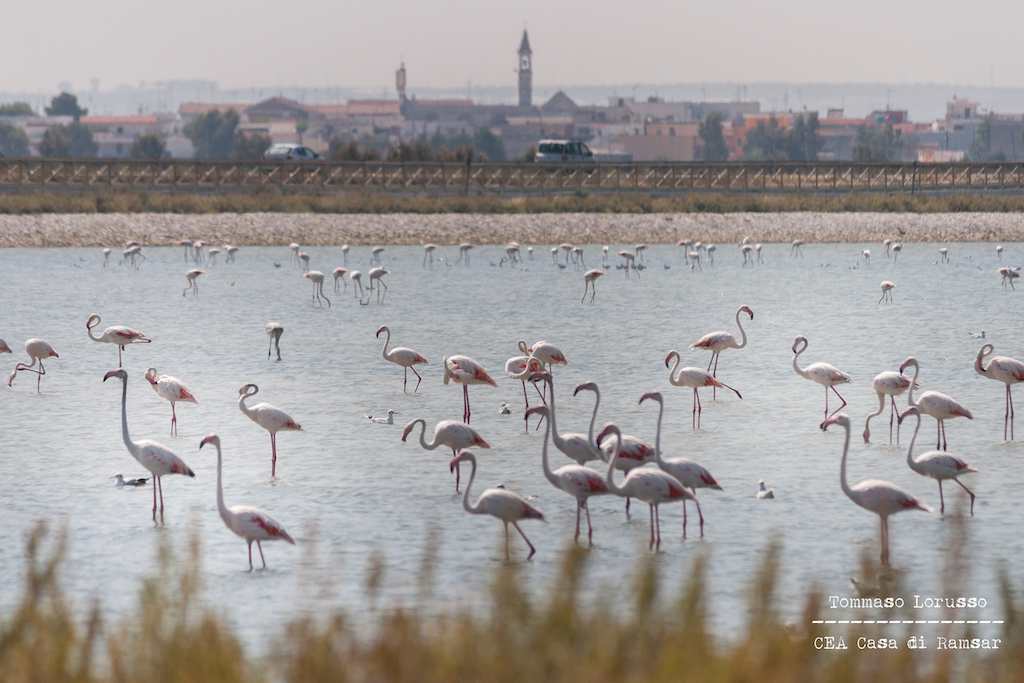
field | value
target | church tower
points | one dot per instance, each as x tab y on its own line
400	83
525	72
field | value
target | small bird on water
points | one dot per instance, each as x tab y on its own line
120	482
763	492
389	420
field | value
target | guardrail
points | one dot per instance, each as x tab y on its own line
516	177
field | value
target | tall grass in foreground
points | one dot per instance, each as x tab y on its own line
226	200
636	635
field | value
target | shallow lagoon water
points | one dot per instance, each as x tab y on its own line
350	491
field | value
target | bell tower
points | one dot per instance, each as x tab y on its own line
525	72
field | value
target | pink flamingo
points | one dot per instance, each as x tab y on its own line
172	390
633	452
448	433
115	334
651	486
937	464
1003	369
157	458
4	348
248	523
578	481
936	404
509	507
37	351
578	447
403	357
526	369
690	474
317	278
693	378
274	331
880	497
272	419
824	374
891	384
190	281
716	342
465	371
339	276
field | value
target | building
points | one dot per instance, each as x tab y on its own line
525	72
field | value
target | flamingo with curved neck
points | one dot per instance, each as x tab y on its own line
887	384
402	356
578	447
269	417
936	404
824	374
936	464
719	341
693	378
449	433
1003	369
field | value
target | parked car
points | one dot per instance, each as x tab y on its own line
289	152
563	151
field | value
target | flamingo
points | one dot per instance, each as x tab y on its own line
188	248
1009	275
933	403
106	256
404	357
197	250
37	351
687	472
694	258
377	276
526	369
897	249
465	371
464	252
887	287
448	433
632	451
578	481
1003	369
999	251
274	332
115	334
294	248
944	254
158	459
547	353
604	256
888	247
651	486
589	283
797	248
317	278
937	464
763	492
170	389
693	378
880	497
375	254
339	276
213	255
4	348
272	419
344	254
628	258
891	384
509	507
428	254
304	260
824	374
576	446
357	284
867	256
231	250
710	249
190	281
248	523
747	251
716	342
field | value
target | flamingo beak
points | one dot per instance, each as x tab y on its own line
111	373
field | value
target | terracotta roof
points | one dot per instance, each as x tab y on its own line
141	120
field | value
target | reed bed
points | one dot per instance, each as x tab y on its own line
637	634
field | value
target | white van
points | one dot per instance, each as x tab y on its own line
563	151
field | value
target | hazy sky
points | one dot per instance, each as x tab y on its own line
359	42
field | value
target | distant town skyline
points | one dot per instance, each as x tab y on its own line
320	43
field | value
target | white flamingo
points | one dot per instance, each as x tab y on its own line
377	283
465	371
191	283
887	384
933	403
115	334
269	417
578	447
716	342
450	434
1003	369
633	453
38	351
172	390
339	277
693	378
887	287
403	357
248	523
590	283
274	331
937	464
317	278
824	374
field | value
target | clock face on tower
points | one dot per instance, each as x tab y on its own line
524	63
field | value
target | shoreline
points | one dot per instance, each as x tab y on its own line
325	229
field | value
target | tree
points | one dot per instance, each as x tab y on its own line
767	142
712	139
489	145
149	146
13	141
66	104
16	109
877	144
350	150
74	141
249	146
301	126
213	134
802	141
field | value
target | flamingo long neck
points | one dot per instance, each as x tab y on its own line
913	383
387	340
89	330
842	465
673	377
610	476
545	463
800	371
743	333
129	444
555	436
881	407
910	449
593	417
243	407
225	514
474	508
979	366
657	436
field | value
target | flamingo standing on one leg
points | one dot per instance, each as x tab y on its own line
402	356
880	497
937	464
651	486
272	419
115	334
578	481
590	283
37	351
448	433
716	342
274	332
465	371
248	523
317	279
632	451
891	384
509	507
157	458
172	390
690	474
693	378
190	281
824	374
936	404
1003	369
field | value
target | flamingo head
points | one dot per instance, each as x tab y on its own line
671	355
93	321
605	431
462	456
840	419
653	396
248	390
586	386
408	429
210	438
536	410
381	330
986	350
4	348
151	376
746	309
119	373
907	363
799	344
912	410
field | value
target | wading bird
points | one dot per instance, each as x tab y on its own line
887	384
37	351
272	419
317	278
377	283
450	434
172	390
274	331
716	342
248	523
824	374
590	283
339	279
693	378
933	403
428	254
633	452
115	334
357	284
158	459
880	497
1003	369
578	447
465	371
937	464
887	287
403	357
190	282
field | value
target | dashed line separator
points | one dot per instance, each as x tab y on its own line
907	621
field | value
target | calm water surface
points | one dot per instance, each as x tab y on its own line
349	490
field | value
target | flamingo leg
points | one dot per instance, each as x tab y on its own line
405	380
826	402
627	507
156	479
700	514
120	349
419	378
650	544
250	555
259	546
969	493
684	520
465	401
273	454
693	413
942	500
174	420
885	540
576	538
714	389
586	288
891	414
942	426
270	345
590	528
507	555
1009	396
938	435
700	408
657	527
